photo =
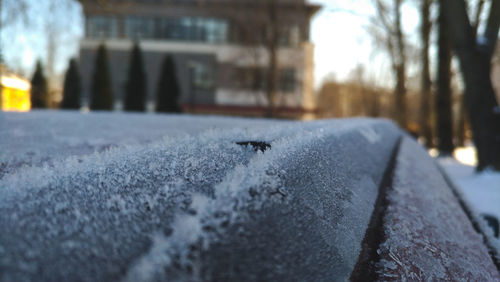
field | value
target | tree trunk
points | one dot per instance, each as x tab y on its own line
475	64
425	99
375	104
461	122
400	97
444	121
400	69
272	48
272	81
483	111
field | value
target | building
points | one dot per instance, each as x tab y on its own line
14	92
220	47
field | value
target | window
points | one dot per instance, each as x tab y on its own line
289	36
257	79
287	80
139	28
101	27
187	28
295	36
181	29
284	36
203	76
170	29
192	29
216	30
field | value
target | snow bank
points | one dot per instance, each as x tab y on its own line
428	235
481	190
190	206
480	193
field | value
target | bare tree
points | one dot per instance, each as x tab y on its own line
264	27
389	21
49	19
426	84
259	28
462	118
366	90
444	120
329	99
58	37
271	43
475	52
351	98
14	11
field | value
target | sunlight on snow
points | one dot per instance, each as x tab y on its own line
466	155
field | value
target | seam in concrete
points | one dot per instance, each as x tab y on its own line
365	269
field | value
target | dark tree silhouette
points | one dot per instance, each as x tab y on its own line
444	121
475	52
102	93
135	92
39	91
426	84
72	87
167	96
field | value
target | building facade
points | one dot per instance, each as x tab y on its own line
221	49
14	91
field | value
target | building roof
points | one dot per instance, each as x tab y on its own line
114	6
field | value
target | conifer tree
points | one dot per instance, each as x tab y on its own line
135	93
102	93
39	89
72	87
167	96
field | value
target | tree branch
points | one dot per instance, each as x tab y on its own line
492	27
461	31
382	15
477	19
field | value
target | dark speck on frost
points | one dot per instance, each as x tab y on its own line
257	145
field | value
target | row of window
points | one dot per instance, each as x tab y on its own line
210	30
250	78
256	79
183	29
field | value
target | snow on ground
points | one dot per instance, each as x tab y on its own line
481	190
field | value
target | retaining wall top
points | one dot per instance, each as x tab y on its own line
100	197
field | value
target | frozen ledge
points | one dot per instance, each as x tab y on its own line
428	235
201	207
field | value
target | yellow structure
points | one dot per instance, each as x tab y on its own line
15	93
